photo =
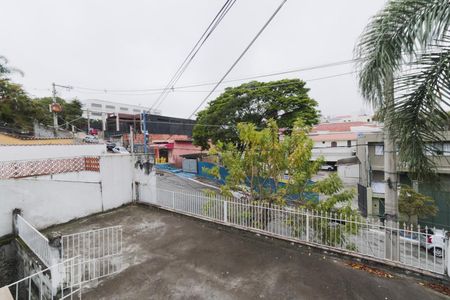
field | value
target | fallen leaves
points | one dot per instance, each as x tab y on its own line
370	270
437	287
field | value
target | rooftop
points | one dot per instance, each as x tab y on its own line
340	127
172	256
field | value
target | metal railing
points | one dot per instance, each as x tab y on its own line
35	240
42	285
100	251
420	248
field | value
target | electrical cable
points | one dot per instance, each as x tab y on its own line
240	56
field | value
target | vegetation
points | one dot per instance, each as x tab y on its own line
412	204
18	111
255	171
405	46
255	102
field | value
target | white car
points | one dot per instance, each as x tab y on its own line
119	149
90	139
434	241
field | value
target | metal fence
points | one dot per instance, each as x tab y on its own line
43	286
100	251
421	248
27	168
37	242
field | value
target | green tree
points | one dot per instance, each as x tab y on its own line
256	169
16	109
412	203
255	102
71	113
405	46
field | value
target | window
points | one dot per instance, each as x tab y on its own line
110	107
434	149
446	149
98	114
349	143
124	108
96	105
379	150
137	110
333	144
323	142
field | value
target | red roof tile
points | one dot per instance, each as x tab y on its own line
339	127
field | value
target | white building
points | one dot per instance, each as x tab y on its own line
335	141
97	109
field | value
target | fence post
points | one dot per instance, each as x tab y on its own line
225	211
446	254
173	200
307	226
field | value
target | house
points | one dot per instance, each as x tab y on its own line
168	137
370	152
335	141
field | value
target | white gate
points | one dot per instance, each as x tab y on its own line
100	251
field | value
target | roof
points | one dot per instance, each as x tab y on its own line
334	137
354	160
340	127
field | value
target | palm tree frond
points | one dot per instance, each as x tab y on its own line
399	31
420	116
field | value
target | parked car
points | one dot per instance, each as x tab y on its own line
110	146
119	149
434	241
327	168
90	139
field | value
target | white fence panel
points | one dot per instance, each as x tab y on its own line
100	251
35	240
417	247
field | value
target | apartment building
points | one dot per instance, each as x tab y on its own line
370	152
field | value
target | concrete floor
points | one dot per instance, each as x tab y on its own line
168	256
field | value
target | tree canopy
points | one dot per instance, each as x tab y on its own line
257	169
255	102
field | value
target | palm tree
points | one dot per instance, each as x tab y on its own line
406	48
4	69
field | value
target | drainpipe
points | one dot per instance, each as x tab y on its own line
16	211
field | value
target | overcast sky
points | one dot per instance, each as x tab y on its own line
140	44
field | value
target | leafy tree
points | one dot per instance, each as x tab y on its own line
255	102
257	169
16	109
70	115
409	35
412	203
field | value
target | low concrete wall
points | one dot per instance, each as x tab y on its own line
49	200
31	152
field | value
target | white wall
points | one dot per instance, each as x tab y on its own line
349	174
49	200
116	172
31	152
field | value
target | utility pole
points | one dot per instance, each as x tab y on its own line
144	126
88	115
392	249
55	117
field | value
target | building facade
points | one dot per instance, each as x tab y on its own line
336	141
97	109
370	152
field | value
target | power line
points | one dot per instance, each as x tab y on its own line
240	56
187	86
176	90
189	58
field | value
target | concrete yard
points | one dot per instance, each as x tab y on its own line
169	256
